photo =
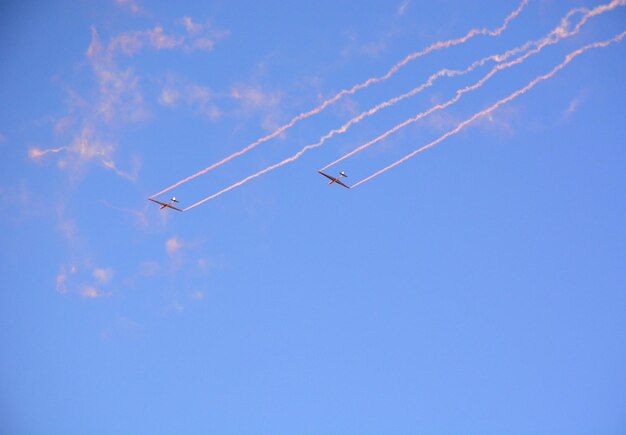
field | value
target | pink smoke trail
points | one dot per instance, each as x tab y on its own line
499	103
36	153
552	38
433	47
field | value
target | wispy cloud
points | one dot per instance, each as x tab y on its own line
62	278
103	275
131	43
139	215
200	99
243	100
149	268
173	245
92	119
72	279
254	100
119	96
202	36
575	103
208	264
130	5
197	296
254	97
502	122
197	37
404	6
356	47
89	292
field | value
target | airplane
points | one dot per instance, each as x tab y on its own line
335	179
169	204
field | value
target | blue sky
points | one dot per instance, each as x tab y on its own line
477	288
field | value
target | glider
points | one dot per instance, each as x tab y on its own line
168	205
335	179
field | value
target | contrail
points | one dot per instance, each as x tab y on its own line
553	37
433	47
499	103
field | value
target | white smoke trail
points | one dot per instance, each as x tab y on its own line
552	38
393	70
499	103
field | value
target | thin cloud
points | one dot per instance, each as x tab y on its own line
149	268
403	8
208	264
130	5
18	201
62	125
93	119
202	36
192	28
575	104
197	296
62	278
254	97
503	122
169	97
71	280
140	216
173	245
198	37
103	275
131	43
254	100
200	99
89	292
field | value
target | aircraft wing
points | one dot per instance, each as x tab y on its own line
334	179
339	182
158	202
327	176
164	204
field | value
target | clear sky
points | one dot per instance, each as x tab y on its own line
479	287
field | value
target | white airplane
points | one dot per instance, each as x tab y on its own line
168	205
335	179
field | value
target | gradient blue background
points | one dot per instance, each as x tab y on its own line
478	288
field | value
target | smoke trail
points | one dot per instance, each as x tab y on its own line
559	33
433	47
552	38
499	103
36	153
255	175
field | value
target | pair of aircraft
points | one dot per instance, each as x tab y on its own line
332	180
